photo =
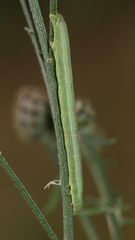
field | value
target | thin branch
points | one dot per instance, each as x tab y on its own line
51	85
88	227
31	32
32	205
96	167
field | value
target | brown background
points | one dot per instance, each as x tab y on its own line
102	37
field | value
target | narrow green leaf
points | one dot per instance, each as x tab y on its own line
30	202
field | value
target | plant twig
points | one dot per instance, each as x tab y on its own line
95	165
88	227
31	32
51	85
33	206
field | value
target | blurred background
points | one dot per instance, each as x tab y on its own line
102	35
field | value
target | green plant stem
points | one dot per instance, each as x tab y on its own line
51	85
53	10
31	32
53	6
48	138
88	227
96	167
85	221
33	206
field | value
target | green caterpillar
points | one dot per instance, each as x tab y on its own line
61	50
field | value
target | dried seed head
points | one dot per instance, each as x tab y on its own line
86	115
86	118
32	114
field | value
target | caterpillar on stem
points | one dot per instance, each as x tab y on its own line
61	50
